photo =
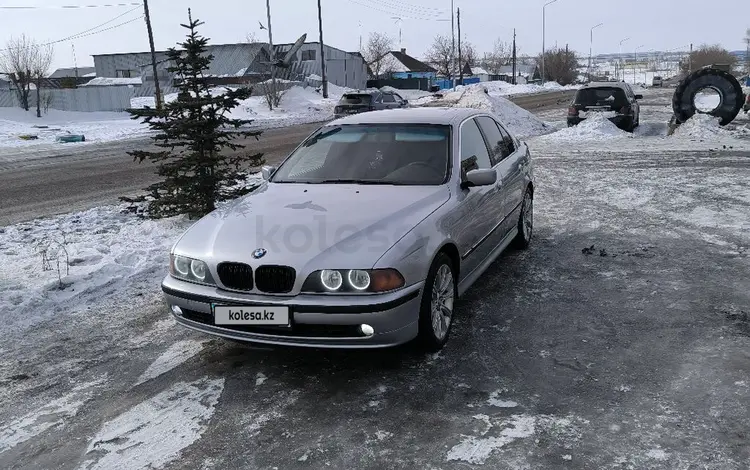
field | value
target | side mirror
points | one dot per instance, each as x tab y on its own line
267	171
639	97
481	177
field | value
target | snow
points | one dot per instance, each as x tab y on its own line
177	354
495	400
706	101
410	95
96	127
519	121
154	432
113	256
48	416
703	127
109	81
476	450
597	128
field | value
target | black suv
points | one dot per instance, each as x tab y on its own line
368	100
616	99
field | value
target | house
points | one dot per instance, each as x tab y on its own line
524	73
476	72
240	63
403	65
74	72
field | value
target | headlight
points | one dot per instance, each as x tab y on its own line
353	281
189	269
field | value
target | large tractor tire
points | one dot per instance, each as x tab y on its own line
724	83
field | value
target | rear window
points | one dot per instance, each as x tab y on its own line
358	98
605	96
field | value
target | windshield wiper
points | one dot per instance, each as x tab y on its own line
322	135
348	181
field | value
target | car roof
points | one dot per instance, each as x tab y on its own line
363	92
435	115
621	85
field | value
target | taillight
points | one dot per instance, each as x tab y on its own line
572	111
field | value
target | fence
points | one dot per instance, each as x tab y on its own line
84	99
402	83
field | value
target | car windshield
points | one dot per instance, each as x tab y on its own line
351	98
604	96
398	154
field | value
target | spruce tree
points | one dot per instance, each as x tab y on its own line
192	131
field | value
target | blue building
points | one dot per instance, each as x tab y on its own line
403	66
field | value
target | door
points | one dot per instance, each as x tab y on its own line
390	101
506	160
477	204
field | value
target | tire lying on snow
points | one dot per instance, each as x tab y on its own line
724	83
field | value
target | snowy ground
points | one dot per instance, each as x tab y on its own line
619	337
96	127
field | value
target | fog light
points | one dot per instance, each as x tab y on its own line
176	310
367	330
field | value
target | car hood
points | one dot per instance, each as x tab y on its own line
312	226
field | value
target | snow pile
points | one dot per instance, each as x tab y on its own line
108	81
298	106
410	95
702	127
96	127
597	127
508	89
519	121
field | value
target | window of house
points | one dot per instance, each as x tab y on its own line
123	74
308	54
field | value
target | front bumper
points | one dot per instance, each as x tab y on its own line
316	320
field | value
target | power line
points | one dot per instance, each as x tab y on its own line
103	24
409	9
67	7
391	12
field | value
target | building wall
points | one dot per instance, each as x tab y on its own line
342	68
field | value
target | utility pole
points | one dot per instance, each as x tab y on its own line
153	54
453	45
544	34
514	56
322	51
460	68
690	59
75	61
591	47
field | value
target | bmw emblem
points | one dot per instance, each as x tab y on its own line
259	253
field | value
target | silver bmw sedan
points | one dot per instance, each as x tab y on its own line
364	236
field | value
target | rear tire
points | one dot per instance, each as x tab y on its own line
436	308
525	222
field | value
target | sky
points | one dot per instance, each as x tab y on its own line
653	24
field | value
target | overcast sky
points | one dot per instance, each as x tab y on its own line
655	24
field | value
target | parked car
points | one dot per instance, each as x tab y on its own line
368	100
615	99
657	81
364	236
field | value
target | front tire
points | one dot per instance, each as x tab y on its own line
436	309
525	222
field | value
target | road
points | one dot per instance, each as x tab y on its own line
619	340
50	182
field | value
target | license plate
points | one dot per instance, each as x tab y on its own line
251	315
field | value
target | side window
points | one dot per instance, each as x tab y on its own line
474	153
510	145
495	139
398	97
388	98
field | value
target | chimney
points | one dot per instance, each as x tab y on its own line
403	50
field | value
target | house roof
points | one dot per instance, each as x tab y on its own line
70	72
410	63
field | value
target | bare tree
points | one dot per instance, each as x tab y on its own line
469	55
747	53
377	54
17	61
709	55
41	63
440	55
501	55
560	66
